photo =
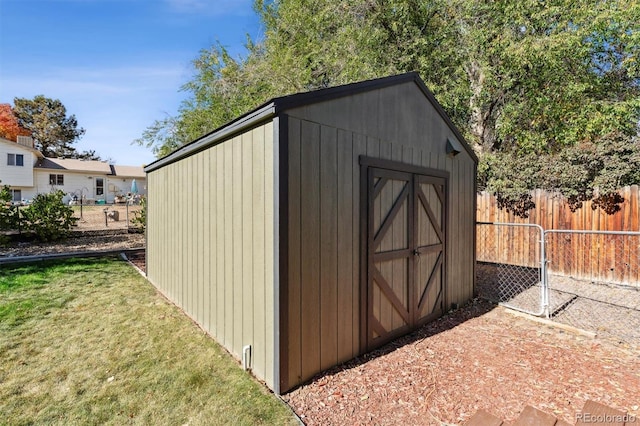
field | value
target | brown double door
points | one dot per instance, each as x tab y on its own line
405	252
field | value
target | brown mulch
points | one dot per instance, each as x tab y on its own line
479	357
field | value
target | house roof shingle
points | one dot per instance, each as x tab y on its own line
74	165
129	171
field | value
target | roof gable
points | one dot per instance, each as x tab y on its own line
284	103
15	145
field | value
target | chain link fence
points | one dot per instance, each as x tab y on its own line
586	279
93	217
105	217
509	265
594	281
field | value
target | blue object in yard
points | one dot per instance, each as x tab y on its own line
134	187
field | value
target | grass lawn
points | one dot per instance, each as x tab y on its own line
89	341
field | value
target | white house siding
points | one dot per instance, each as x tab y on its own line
85	183
17	177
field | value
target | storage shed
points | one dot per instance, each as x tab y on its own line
318	226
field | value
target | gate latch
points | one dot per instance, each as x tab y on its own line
416	252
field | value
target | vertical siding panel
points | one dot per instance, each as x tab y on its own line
295	248
248	254
183	223
220	243
310	225
373	150
191	210
205	219
345	332
328	247
186	211
212	219
359	148
260	228
171	214
228	244
237	229
270	259
199	231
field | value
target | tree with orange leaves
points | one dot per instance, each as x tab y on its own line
9	127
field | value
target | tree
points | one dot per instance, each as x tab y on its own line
52	130
9	127
522	80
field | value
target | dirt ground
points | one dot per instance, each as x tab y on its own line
93	217
479	357
77	242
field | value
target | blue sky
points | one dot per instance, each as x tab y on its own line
116	64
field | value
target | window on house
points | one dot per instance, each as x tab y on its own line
99	186
16	195
15	160
56	179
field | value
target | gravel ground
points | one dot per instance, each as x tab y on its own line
79	241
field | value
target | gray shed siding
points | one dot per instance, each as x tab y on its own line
210	241
325	142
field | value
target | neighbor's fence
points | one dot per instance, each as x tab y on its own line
553	212
94	217
105	217
586	279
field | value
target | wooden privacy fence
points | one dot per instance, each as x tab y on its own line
601	247
552	212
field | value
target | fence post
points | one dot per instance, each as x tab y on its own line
545	278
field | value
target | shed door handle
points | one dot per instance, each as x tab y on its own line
416	252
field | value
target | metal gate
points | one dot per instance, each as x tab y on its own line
405	252
593	280
510	265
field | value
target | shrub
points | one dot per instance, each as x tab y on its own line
139	219
48	217
6	214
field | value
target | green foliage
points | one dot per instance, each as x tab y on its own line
139	219
586	171
523	81
48	217
6	214
52	131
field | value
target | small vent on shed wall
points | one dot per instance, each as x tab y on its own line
246	357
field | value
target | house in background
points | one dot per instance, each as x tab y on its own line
17	161
28	173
